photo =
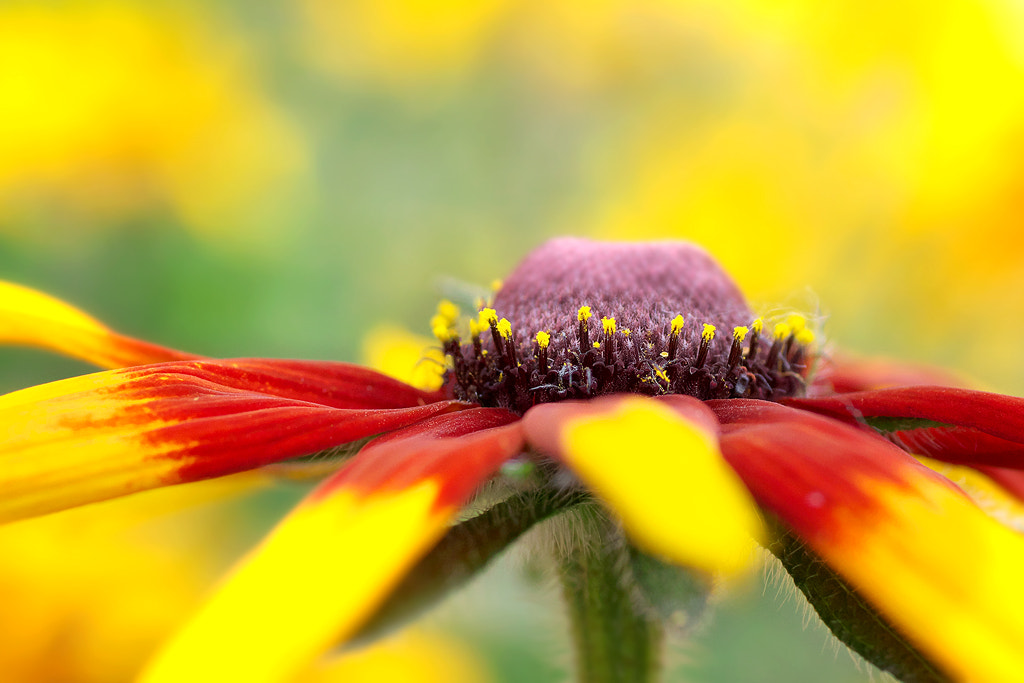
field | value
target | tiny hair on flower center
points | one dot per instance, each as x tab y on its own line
578	319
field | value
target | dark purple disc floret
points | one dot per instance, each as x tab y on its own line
578	318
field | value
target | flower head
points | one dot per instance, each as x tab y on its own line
633	375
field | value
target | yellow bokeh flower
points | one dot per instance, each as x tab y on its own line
108	108
398	42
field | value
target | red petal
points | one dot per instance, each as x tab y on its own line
331	562
111	433
387	463
974	427
339	385
801	465
650	461
942	571
843	374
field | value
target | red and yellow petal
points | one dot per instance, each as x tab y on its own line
941	570
657	465
31	318
112	433
955	425
330	563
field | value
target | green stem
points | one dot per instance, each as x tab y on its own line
615	641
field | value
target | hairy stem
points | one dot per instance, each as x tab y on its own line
615	640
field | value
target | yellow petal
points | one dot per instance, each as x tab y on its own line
107	434
412	655
349	546
405	356
660	472
31	318
943	571
330	563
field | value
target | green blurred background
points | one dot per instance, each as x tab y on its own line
281	178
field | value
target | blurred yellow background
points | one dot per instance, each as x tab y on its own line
281	178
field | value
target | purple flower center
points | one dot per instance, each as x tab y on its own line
578	319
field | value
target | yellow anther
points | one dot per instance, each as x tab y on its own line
475	328
496	285
583	313
442	332
442	319
626	331
677	324
739	333
796	322
488	317
805	336
757	325
597	345
709	333
609	325
505	328
663	354
543	339
782	330
447	310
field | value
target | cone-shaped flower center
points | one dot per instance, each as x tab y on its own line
578	319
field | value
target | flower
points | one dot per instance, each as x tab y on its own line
111	110
600	365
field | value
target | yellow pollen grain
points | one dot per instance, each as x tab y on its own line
739	333
782	330
677	324
543	339
597	345
609	325
583	313
796	322
805	336
475	328
488	317
663	354
709	332
447	310
505	328
662	375
757	325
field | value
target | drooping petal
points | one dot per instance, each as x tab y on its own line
1011	481
112	433
842	374
997	499
330	563
938	568
657	465
955	425
31	318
